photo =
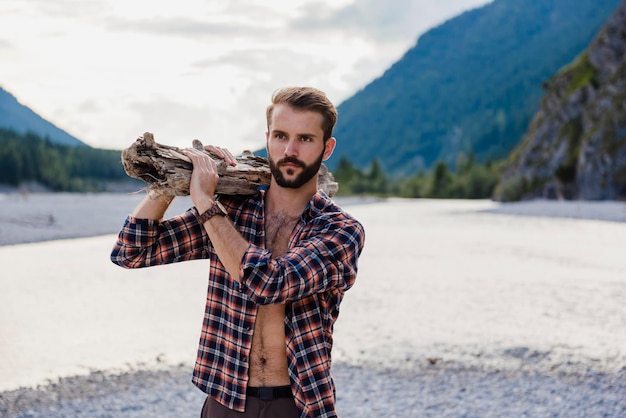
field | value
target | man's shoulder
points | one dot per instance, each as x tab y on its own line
328	208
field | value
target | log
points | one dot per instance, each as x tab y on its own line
167	171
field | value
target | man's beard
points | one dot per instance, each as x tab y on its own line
308	171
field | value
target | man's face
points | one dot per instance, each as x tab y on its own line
295	146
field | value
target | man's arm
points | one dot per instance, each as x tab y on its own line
146	239
228	243
153	206
324	260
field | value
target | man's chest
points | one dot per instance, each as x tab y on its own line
278	232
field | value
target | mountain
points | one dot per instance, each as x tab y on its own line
575	147
19	118
470	85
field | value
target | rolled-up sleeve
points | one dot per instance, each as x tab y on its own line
321	261
146	242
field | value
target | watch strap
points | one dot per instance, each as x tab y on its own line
215	209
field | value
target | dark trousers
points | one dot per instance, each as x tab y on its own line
255	408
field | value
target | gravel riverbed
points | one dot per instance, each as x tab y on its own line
432	390
461	309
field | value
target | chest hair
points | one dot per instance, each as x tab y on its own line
278	229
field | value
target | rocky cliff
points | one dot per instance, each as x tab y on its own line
575	146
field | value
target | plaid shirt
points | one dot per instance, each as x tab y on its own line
311	278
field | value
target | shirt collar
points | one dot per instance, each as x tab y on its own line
314	208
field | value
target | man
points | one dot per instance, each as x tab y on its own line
280	263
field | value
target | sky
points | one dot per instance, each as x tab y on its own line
105	71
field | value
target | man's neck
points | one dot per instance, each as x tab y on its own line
291	202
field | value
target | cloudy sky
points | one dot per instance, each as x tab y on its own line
105	71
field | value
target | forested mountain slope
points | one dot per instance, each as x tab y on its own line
469	85
18	118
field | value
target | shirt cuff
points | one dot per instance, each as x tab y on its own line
139	232
256	257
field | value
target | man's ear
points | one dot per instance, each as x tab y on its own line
329	147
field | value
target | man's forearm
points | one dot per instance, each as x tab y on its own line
153	206
228	243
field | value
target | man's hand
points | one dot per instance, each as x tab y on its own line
205	176
229	245
222	153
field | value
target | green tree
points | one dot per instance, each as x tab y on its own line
10	165
27	157
376	179
346	172
441	181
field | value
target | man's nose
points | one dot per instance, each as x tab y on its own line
291	149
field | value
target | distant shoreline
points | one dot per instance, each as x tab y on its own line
44	216
36	217
607	211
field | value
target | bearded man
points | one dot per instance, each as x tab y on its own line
280	263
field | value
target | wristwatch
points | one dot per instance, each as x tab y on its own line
216	209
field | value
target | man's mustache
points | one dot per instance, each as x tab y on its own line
291	160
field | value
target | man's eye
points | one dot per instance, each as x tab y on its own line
305	139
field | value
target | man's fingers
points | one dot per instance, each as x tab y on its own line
199	159
222	153
230	158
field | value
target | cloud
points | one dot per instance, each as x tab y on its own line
7	45
63	8
241	21
180	26
277	59
383	21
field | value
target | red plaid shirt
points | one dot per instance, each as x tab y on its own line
311	278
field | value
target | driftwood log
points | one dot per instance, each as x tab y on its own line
167	171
